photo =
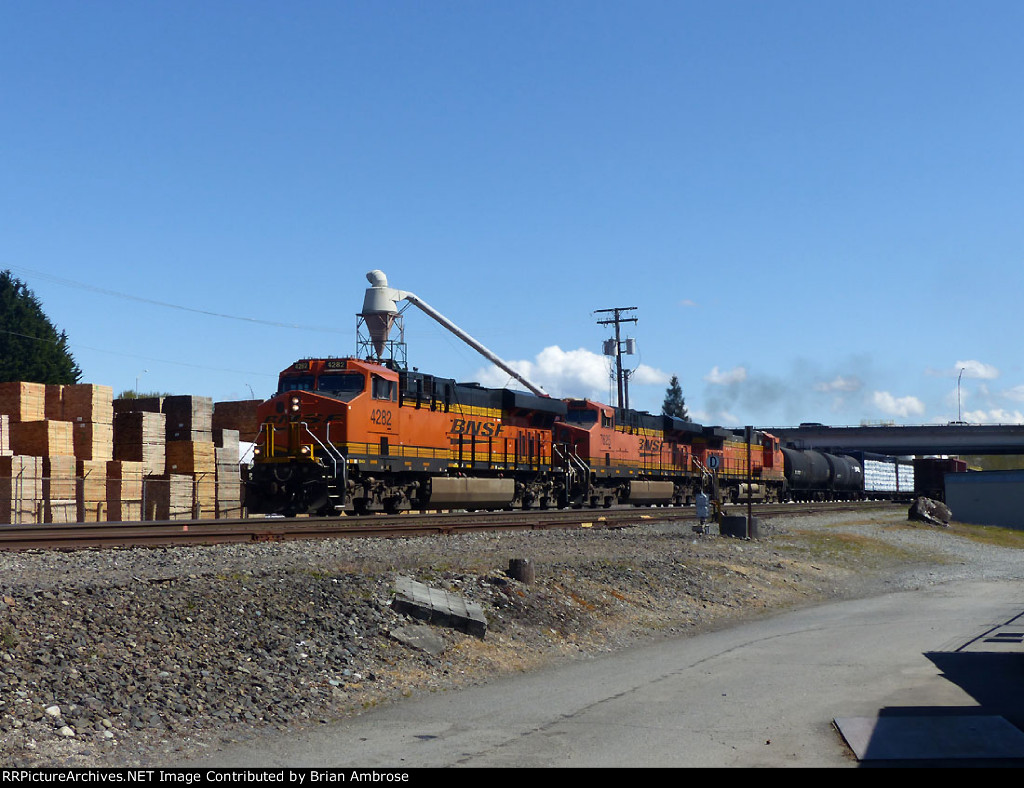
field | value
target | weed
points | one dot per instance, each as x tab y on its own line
7	637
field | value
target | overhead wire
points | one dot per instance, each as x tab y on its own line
117	294
139	355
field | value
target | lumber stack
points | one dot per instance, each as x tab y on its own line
5	435
139	436
229	485
42	438
136	404
72	453
59	505
196	459
91	409
238	415
23	401
91	490
21	489
189	418
169	497
124	490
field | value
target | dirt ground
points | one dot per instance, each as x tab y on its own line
157	655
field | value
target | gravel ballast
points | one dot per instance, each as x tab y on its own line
144	657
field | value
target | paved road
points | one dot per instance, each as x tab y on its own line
759	694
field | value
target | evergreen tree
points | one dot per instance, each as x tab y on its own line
674	404
31	348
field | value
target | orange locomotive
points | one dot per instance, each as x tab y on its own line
347	433
344	434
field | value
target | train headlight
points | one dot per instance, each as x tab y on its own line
295	404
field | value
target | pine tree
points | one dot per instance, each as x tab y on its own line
674	404
31	348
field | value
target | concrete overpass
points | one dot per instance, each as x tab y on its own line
901	441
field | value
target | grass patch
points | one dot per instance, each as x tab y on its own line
842	548
989	534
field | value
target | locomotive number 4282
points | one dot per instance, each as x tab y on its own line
381	417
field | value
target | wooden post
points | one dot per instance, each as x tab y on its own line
521	569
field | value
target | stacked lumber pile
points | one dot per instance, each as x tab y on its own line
21	474
189	418
42	438
169	497
238	415
91	409
84	413
190	449
124	490
5	435
23	401
196	459
139	436
91	490
229	484
75	454
21	489
59	504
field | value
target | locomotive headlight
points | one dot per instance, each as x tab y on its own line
295	404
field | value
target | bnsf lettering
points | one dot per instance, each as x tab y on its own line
650	445
485	429
284	418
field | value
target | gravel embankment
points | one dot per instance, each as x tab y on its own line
141	657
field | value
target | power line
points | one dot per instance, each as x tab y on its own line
129	297
140	356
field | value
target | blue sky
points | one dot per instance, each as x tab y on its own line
815	207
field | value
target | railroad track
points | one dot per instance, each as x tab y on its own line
160	533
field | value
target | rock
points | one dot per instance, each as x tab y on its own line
928	511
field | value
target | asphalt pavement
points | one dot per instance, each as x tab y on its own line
933	677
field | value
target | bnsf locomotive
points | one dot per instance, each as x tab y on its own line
345	434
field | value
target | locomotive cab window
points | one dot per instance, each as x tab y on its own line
380	388
295	383
343	386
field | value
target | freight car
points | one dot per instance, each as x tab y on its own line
348	434
930	475
846	475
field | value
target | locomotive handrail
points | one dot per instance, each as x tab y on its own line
572	459
340	456
334	460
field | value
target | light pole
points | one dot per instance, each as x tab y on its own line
958	419
137	382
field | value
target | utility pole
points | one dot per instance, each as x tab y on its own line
617	320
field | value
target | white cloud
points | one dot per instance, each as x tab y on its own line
1016	393
687	302
973	369
994	416
569	373
719	378
839	384
897	406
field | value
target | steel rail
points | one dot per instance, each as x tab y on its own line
158	533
